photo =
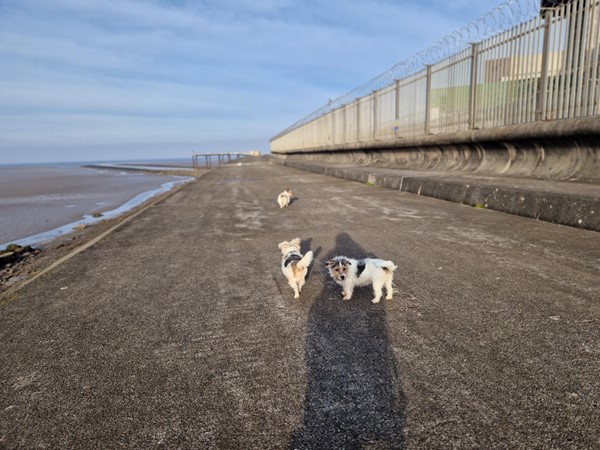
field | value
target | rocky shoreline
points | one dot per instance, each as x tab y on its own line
13	259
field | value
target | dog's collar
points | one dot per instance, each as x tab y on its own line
291	257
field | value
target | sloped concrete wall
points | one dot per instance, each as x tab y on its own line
560	150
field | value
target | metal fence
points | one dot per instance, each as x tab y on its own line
546	67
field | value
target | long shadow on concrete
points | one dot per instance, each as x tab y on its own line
354	397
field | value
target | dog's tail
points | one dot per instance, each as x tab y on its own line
388	265
306	259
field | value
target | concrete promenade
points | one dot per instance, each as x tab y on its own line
178	329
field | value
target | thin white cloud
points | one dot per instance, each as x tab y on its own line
133	72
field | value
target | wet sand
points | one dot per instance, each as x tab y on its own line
39	199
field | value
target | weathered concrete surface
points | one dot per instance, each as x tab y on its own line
570	203
179	331
566	149
549	129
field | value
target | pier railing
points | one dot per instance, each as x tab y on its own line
543	65
211	159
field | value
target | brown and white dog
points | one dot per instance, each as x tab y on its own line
350	273
284	198
293	265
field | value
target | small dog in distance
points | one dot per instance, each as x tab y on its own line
293	265
350	273
284	198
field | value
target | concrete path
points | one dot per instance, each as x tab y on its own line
178	330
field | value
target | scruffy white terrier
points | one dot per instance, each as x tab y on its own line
284	198
350	273
293	265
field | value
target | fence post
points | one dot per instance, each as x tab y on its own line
374	136
397	110
332	126
473	87
428	99
345	124
541	100
358	120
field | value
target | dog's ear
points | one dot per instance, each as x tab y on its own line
296	241
330	263
282	244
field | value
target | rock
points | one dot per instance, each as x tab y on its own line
6	258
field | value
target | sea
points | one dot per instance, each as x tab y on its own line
39	202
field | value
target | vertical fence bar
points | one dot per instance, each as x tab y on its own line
344	124
587	67
541	102
595	63
560	92
332	127
473	84
570	55
374	125
517	75
427	99
357	120
397	109
580	45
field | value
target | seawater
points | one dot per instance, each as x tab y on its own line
39	203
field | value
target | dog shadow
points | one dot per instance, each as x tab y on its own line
354	396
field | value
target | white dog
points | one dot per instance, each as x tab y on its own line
284	198
350	273
293	265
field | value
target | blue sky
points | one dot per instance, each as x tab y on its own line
90	80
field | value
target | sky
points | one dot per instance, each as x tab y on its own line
100	80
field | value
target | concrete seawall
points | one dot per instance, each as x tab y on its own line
557	150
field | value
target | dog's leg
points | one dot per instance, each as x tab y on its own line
389	289
378	291
294	286
347	291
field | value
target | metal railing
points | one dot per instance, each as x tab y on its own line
219	158
534	64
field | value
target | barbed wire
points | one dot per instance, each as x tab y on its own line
505	16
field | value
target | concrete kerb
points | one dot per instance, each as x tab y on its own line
560	208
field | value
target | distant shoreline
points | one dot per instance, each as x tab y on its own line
184	162
150	168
